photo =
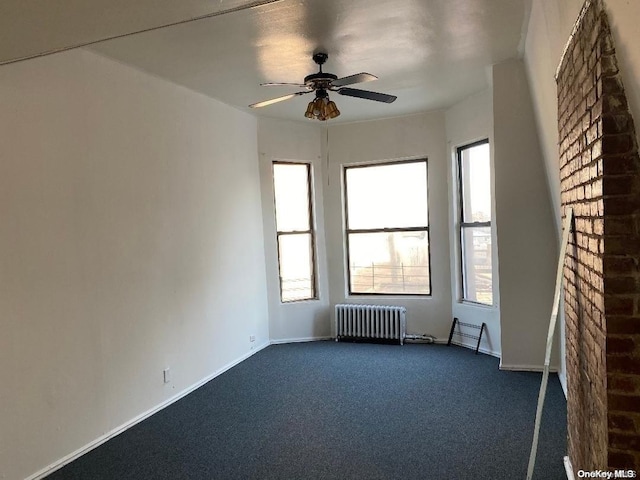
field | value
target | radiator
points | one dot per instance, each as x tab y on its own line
371	321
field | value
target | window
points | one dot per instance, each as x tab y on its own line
475	222
295	235
387	228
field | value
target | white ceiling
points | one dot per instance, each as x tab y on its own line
429	53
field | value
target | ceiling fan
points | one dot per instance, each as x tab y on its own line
322	108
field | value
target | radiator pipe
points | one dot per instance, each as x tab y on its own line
421	337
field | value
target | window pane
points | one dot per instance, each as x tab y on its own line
291	186
384	262
387	196
476	264
296	267
476	184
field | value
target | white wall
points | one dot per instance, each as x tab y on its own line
623	19
466	122
130	240
293	141
415	136
550	24
524	221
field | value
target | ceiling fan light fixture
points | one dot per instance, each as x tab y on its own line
322	108
318	107
332	110
309	112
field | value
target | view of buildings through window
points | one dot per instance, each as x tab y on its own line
475	222
294	227
388	228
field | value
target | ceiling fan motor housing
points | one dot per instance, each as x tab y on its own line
319	80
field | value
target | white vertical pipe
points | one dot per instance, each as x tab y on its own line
547	355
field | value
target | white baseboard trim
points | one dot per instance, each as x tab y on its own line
299	340
563	381
525	368
568	468
482	349
58	464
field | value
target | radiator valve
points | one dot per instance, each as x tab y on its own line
421	337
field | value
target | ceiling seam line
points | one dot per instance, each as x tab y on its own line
255	4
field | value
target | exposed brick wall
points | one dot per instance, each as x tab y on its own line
600	180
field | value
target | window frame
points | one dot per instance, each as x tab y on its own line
462	225
311	232
348	231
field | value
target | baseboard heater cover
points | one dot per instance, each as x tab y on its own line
382	322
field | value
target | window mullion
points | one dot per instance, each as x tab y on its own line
294	232
475	224
388	230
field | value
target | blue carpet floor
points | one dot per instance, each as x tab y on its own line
327	410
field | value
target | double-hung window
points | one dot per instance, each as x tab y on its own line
387	228
474	173
294	231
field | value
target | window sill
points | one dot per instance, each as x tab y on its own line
470	303
392	296
300	302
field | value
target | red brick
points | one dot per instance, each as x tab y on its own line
624	441
624	364
620	460
614	102
620	265
621	422
620	244
620	184
621	345
617	144
615	305
612	85
622	204
596	109
609	65
605	42
619	225
621	285
600	180
621	164
623	325
617	123
620	383
623	403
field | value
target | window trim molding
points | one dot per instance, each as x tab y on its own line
311	231
461	225
347	231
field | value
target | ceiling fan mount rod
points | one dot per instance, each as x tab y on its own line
320	58
320	79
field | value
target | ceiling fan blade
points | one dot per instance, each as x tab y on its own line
378	97
276	100
351	79
278	84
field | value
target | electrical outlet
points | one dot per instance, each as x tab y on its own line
252	338
166	375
